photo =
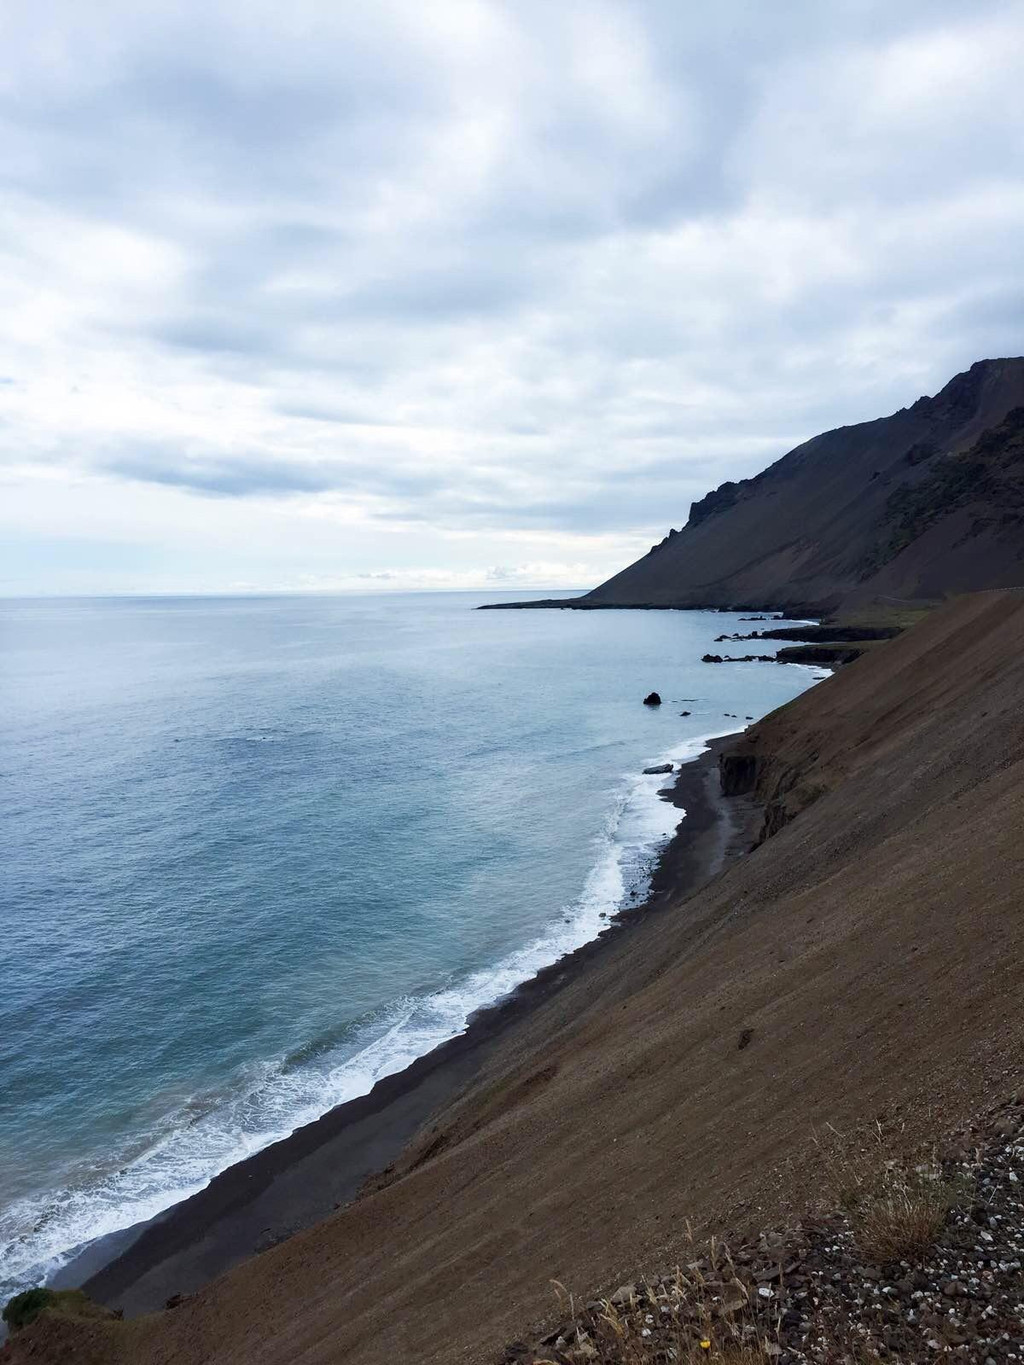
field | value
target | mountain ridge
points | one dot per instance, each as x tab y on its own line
818	529
915	507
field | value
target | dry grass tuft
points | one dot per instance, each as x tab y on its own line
696	1316
896	1210
902	1214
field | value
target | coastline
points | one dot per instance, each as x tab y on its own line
302	1179
785	612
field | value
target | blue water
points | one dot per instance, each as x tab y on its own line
257	853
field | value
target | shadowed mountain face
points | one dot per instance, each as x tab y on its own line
912	507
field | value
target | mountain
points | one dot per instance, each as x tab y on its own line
916	506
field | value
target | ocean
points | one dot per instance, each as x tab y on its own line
257	853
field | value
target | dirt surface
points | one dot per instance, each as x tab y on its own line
866	959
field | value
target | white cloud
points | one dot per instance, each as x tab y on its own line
304	293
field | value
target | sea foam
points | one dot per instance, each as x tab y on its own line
208	1134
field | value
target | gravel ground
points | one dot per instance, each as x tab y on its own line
808	1294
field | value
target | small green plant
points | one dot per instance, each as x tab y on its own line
26	1307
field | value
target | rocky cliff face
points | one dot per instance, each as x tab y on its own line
916	506
783	787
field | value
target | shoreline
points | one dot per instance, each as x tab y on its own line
794	611
304	1178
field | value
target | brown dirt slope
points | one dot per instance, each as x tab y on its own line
917	506
873	947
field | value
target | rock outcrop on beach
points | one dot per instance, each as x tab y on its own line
909	508
859	971
828	656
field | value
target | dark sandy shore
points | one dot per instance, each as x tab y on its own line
296	1182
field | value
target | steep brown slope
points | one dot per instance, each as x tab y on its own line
901	507
874	947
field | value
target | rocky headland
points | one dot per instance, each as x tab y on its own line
904	510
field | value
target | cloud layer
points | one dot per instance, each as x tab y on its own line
300	294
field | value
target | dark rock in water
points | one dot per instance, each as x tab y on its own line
685	713
659	768
833	656
829	635
652	699
741	658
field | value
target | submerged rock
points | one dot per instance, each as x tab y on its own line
652	699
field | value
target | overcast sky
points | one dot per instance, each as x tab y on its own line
332	294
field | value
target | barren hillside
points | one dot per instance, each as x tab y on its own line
917	506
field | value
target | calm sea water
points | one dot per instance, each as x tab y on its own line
257	853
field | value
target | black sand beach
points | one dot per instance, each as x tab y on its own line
294	1183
